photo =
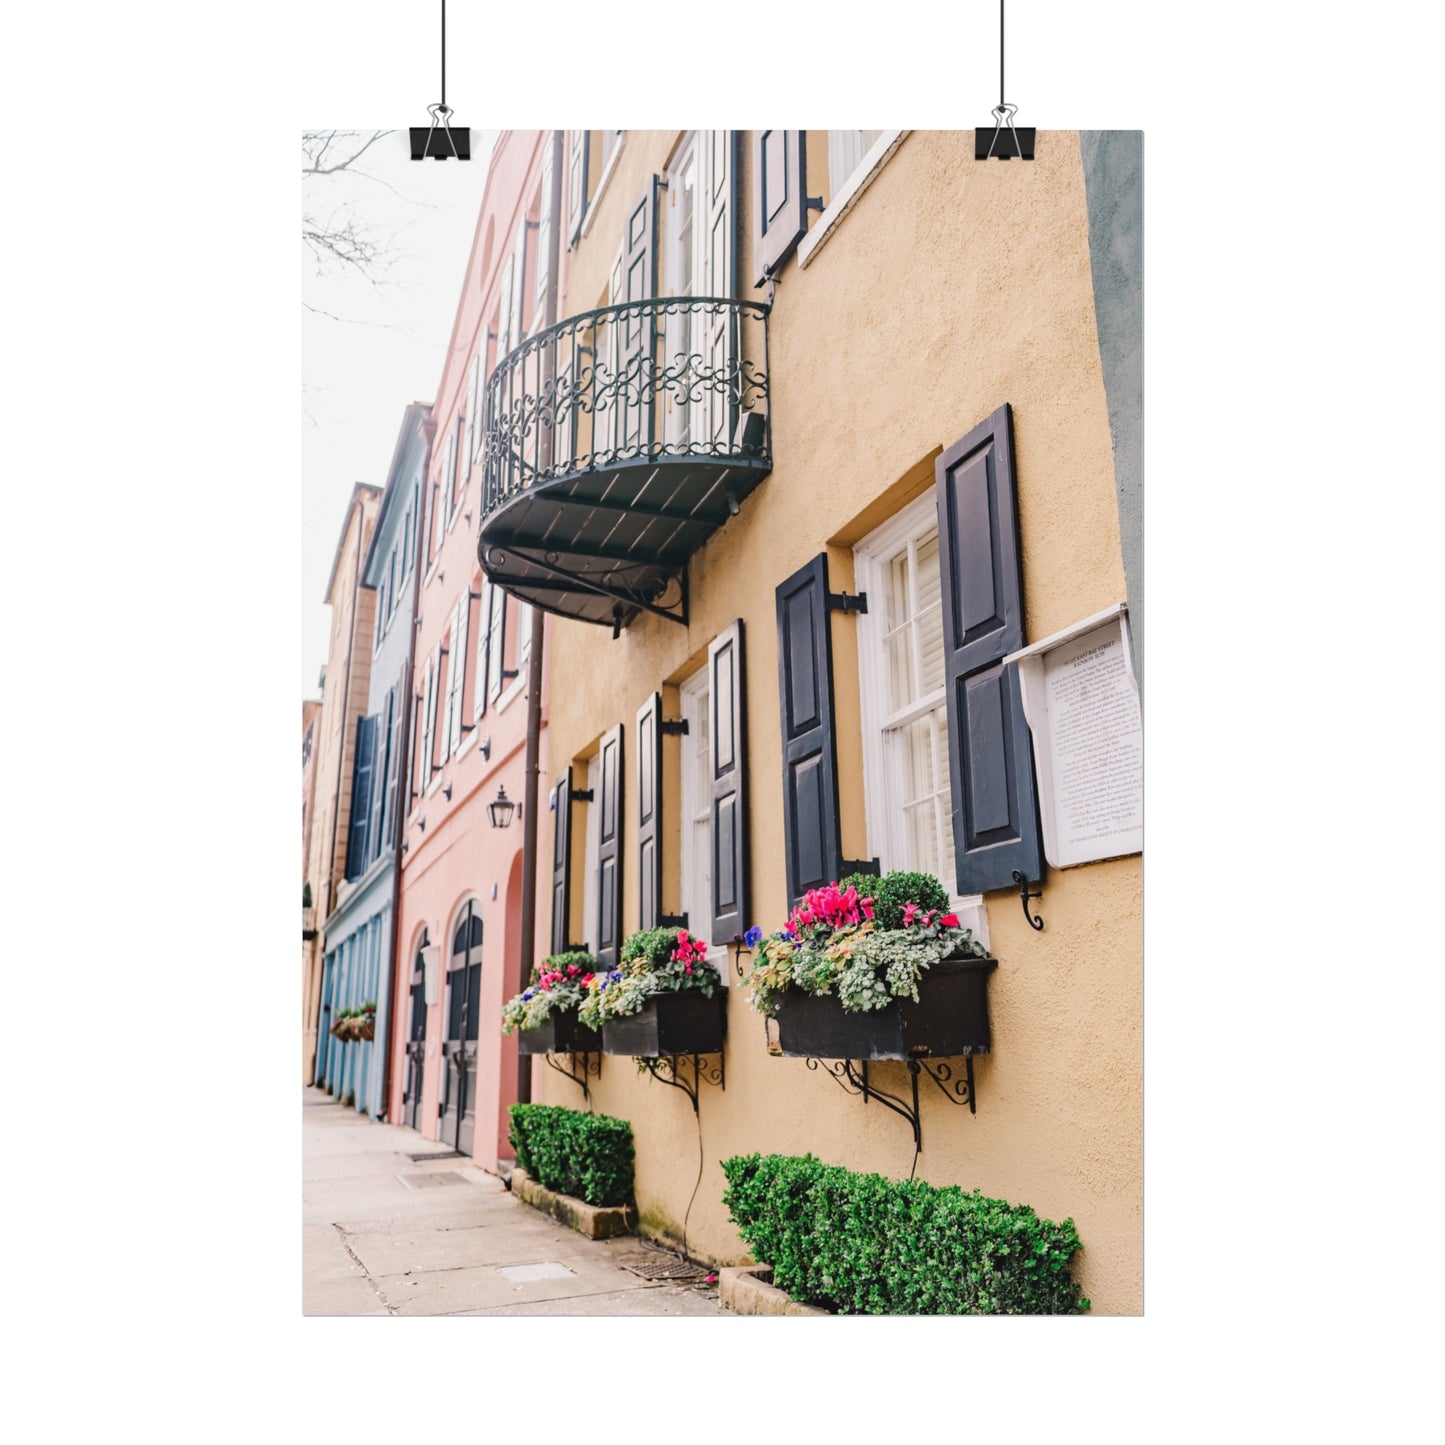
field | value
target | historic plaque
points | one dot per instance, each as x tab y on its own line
1082	706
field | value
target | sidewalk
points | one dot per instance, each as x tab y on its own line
383	1235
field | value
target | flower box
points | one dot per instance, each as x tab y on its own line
670	1023
563	1033
950	1019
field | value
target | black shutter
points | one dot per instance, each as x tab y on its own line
780	197
609	850
729	753
360	796
810	750
649	812
561	864
995	805
384	765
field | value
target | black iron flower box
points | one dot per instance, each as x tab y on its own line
950	1019
670	1023
563	1033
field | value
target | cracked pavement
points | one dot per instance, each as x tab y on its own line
382	1235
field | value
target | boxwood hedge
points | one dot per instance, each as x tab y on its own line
862	1244
588	1156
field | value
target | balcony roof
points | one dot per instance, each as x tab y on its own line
604	476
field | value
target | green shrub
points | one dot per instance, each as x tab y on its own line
862	1244
890	892
588	1156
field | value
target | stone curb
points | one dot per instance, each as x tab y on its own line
748	1289
592	1220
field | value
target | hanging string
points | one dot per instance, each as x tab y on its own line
444	51
1002	102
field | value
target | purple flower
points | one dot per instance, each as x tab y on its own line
528	994
751	937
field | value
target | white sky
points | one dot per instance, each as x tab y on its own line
360	372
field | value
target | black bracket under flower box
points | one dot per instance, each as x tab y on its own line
949	1021
565	1034
671	1027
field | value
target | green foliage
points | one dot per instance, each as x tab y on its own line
893	891
306	894
862	1244
652	960
868	940
558	984
588	1156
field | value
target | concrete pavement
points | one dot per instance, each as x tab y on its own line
382	1235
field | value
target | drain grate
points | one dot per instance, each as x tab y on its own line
435	1154
664	1266
430	1181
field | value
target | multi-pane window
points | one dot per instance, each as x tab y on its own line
905	715
696	812
846	149
496	638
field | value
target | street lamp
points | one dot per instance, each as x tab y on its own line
502	808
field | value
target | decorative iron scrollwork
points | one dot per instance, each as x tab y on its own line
664	378
580	1067
853	1079
704	1071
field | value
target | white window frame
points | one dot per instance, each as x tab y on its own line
846	197
870	557
590	212
696	897
591	918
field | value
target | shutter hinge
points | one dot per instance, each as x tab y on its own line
672	920
847	866
672	729
843	602
815	203
510	672
580	795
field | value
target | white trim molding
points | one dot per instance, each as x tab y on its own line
846	198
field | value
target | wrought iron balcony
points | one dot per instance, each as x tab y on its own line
616	444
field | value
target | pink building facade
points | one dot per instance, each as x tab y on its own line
459	938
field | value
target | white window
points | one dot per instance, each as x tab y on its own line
591	919
846	149
479	669
694	260
456	675
544	235
428	719
906	763
695	695
473	436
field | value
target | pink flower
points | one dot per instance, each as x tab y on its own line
572	969
910	910
681	937
950	920
687	968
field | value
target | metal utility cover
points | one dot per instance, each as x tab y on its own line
430	1181
664	1266
526	1273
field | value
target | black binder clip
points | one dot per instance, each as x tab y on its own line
441	143
994	143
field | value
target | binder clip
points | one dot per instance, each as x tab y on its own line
994	143
440	144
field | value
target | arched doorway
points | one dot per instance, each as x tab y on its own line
463	1014
416	1037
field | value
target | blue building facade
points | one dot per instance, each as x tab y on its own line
358	934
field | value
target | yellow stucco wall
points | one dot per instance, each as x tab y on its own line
950	288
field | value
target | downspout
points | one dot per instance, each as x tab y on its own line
403	781
340	771
533	765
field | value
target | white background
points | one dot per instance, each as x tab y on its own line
152	326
